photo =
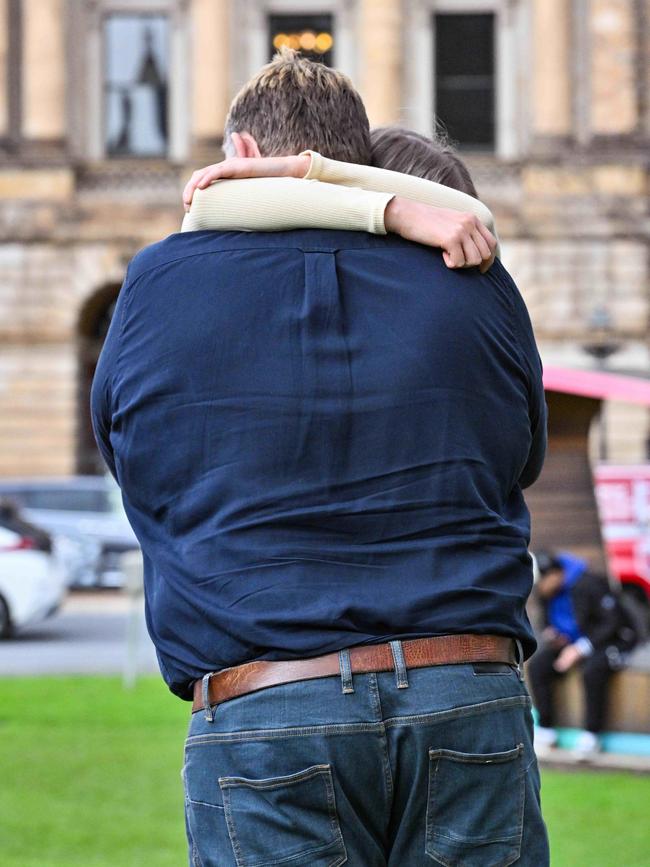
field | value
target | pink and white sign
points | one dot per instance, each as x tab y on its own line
623	495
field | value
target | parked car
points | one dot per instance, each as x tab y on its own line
32	581
84	514
623	494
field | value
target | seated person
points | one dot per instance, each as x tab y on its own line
585	624
435	204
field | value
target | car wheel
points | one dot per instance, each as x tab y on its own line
6	628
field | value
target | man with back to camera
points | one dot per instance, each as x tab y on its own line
321	439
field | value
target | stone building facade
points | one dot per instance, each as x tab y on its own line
106	105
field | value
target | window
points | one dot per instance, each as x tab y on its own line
260	27
309	34
136	72
467	62
465	78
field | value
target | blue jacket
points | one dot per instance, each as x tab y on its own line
321	440
560	611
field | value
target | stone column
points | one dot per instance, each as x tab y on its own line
614	106
211	84
44	70
552	110
4	67
380	65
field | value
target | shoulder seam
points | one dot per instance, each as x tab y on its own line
246	248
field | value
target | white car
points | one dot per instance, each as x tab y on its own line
85	517
32	582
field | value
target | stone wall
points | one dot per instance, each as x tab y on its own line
572	208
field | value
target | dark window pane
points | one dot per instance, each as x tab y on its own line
136	70
312	35
464	78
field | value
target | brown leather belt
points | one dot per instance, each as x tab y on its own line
418	653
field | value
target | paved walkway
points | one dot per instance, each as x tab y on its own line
566	759
89	635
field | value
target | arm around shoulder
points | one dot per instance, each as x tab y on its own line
278	204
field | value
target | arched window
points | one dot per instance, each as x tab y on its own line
94	320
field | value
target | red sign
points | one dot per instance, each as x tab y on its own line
623	495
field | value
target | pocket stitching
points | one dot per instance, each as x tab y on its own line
474	758
228	783
271	782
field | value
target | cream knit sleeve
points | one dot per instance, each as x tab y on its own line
382	180
277	204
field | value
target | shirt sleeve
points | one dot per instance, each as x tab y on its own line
278	204
101	393
407	186
598	621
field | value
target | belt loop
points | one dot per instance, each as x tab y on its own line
208	712
400	664
520	658
345	667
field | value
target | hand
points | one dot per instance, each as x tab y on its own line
465	241
245	167
567	658
553	638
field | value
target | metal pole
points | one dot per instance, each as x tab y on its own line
133	573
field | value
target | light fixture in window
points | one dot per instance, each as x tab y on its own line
309	34
280	39
324	43
307	40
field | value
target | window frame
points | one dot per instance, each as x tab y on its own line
86	95
249	32
511	28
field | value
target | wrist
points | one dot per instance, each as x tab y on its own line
394	215
301	165
584	646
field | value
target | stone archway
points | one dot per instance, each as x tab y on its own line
94	319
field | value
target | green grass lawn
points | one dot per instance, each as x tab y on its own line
89	775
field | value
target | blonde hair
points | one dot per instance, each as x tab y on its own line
294	104
404	150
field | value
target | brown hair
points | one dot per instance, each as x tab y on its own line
406	151
294	104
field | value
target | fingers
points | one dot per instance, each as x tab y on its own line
190	186
235	167
477	242
453	255
199	180
471	252
487	264
487	234
491	245
482	246
202	178
487	253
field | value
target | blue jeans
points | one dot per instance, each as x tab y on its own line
430	766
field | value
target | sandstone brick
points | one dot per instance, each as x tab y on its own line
614	102
40	184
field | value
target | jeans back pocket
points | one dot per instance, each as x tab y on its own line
284	820
475	808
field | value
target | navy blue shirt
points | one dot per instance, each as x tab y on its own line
321	440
